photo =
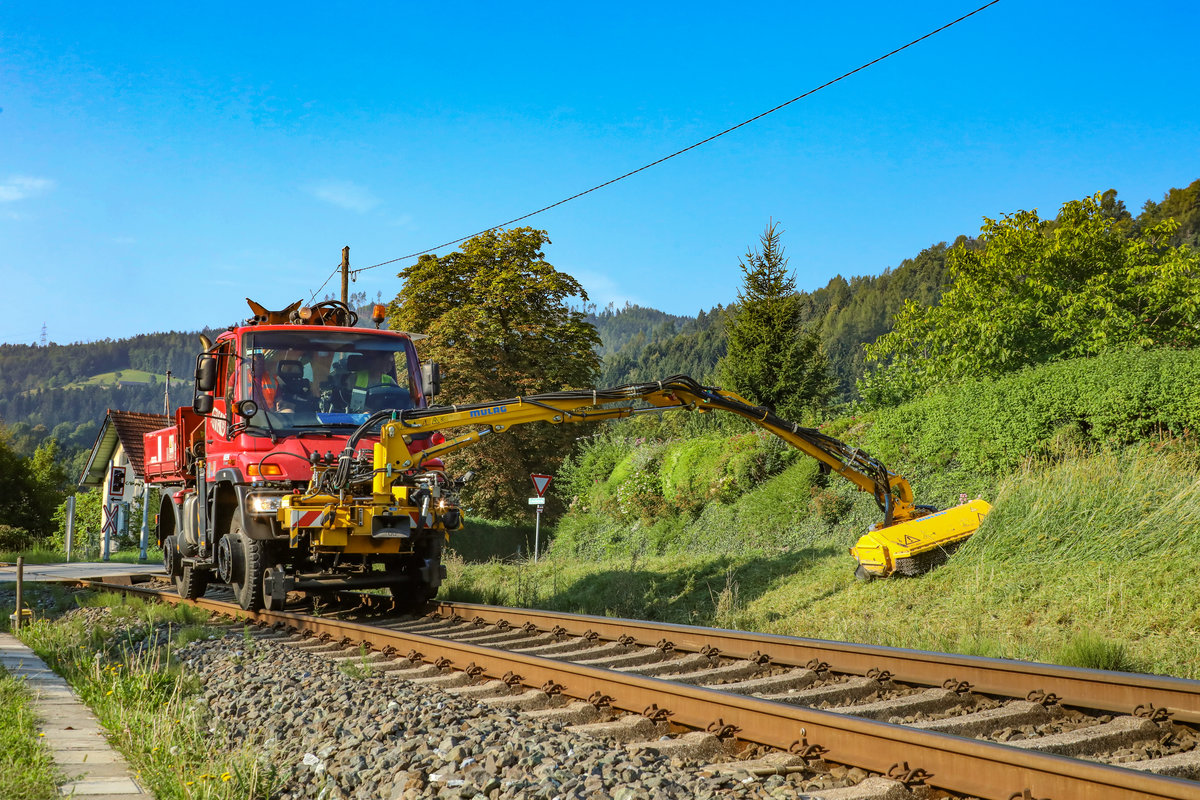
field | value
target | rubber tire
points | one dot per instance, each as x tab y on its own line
170	551
191	583
247	583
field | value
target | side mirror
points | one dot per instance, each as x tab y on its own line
431	379
206	374
202	404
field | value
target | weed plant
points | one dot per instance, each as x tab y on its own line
27	771
359	668
146	702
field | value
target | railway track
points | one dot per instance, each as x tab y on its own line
969	726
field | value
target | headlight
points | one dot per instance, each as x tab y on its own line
264	504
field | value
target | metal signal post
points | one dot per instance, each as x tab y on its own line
540	483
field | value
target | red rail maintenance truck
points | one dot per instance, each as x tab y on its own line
267	480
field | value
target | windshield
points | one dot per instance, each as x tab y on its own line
313	378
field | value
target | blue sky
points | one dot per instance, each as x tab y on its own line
160	162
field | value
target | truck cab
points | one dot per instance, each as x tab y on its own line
274	405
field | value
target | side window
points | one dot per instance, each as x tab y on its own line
228	371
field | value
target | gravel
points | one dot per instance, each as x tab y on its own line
335	736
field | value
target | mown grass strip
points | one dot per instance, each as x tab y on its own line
27	771
51	556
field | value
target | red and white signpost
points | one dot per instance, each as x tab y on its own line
540	482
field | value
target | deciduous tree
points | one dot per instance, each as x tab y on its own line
1036	291
498	321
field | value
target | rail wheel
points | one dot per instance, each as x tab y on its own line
246	564
270	601
410	592
409	595
227	560
170	552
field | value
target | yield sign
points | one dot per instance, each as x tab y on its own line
540	482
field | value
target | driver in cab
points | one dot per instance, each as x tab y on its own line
376	369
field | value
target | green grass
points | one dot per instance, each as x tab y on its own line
123	556
27	771
484	540
146	703
110	378
1087	561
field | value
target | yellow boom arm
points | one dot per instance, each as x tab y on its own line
892	492
909	540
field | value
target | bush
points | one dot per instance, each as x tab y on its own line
15	540
992	426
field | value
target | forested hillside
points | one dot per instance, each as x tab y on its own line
44	391
644	344
618	326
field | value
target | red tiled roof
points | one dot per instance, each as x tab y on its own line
130	426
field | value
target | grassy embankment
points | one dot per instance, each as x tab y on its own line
1087	558
140	695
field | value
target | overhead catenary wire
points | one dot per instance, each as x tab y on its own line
326	283
680	152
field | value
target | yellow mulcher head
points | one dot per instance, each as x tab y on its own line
918	545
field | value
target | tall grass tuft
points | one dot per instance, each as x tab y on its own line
1096	652
147	703
1108	508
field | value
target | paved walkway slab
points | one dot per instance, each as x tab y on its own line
80	570
72	733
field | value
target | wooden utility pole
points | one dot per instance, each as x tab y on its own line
346	275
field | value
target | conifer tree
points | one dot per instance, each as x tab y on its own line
772	359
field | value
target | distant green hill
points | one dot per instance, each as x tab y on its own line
121	377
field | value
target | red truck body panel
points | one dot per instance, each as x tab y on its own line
166	449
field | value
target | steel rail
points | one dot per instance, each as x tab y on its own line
1120	692
969	766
